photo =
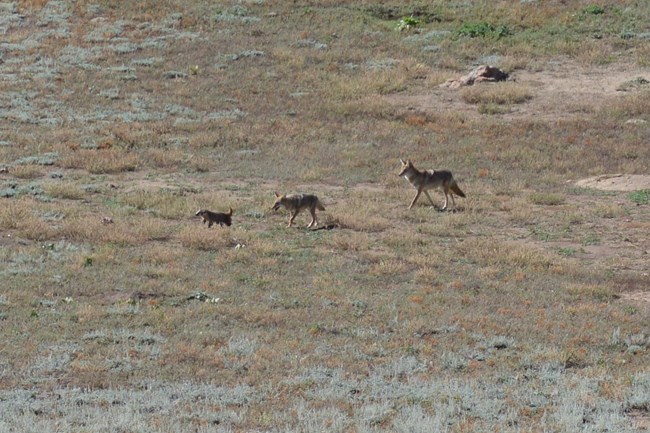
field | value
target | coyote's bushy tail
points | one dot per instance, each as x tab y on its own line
456	190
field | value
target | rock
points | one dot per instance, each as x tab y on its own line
478	75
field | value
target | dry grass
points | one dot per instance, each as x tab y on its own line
546	199
101	161
65	190
13	214
498	93
19	216
91	229
201	238
522	310
28	171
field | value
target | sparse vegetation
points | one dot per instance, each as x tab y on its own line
524	310
483	30
594	10
641	196
547	199
496	94
407	23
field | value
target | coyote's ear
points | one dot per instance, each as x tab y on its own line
402	161
276	194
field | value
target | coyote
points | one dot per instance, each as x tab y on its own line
429	179
215	217
294	203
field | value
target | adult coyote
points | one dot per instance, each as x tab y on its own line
294	203
429	179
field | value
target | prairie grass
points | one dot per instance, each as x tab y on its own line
27	171
597	293
487	253
13	214
497	94
610	211
546	199
65	190
167	204
19	216
101	161
640	197
91	229
204	239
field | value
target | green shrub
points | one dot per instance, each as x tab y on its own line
641	196
483	30
547	199
407	23
594	10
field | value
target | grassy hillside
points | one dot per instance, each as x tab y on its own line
525	309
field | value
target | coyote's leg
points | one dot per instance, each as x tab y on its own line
314	221
444	207
453	202
417	194
429	197
293	216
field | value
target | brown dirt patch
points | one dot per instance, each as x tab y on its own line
637	297
616	182
560	90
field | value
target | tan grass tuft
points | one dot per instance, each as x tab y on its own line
27	171
497	93
19	215
34	5
589	292
387	266
152	229
13	213
91	229
546	198
199	237
504	254
427	275
101	161
64	190
610	210
164	158
163	203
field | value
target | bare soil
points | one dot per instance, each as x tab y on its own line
616	182
561	90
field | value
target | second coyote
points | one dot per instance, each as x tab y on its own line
294	203
215	217
429	179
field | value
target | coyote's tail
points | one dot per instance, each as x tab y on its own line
228	219
456	190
